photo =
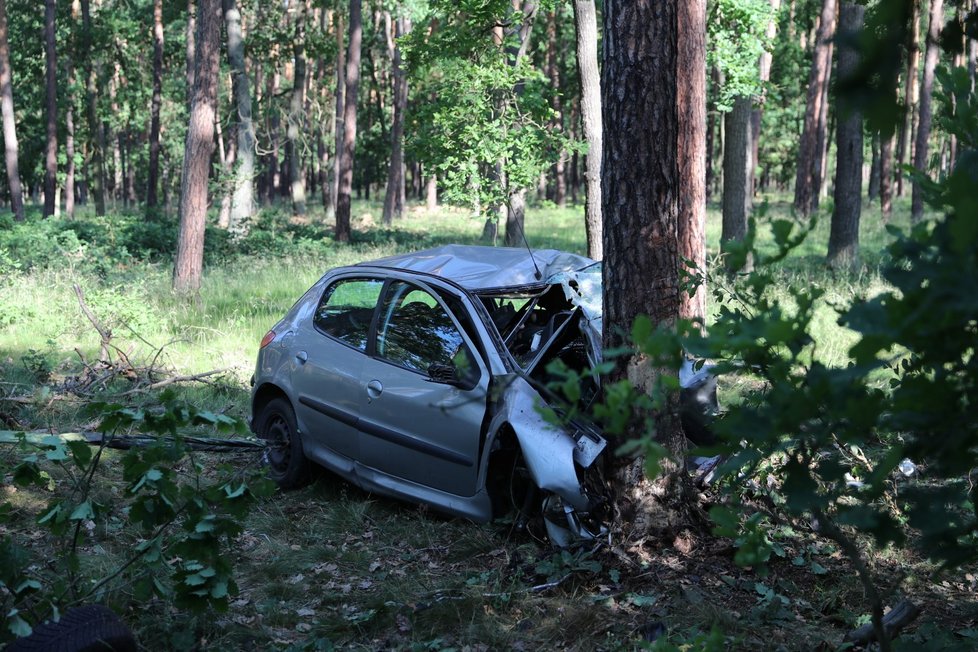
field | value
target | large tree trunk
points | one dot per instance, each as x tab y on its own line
844	235
691	103
585	17
96	134
243	200
810	148
51	109
345	189
200	146
737	195
640	204
910	94
936	22
297	116
9	121
153	174
515	219
395	197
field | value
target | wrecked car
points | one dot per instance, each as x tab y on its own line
421	377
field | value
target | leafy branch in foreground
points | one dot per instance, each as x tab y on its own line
175	518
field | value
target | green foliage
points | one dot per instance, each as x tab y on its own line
736	33
180	517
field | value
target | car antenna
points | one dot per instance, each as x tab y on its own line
537	274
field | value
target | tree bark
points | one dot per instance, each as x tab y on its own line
737	195
395	197
910	92
96	134
243	200
51	109
334	183
191	51
810	147
9	121
844	234
874	168
153	173
345	189
515	219
886	177
296	120
70	146
554	60
640	204
585	18
935	23
189	261
691	102
431	193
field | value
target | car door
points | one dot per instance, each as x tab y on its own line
329	354
414	426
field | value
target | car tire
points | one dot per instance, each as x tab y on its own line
287	464
89	628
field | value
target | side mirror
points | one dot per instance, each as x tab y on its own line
443	373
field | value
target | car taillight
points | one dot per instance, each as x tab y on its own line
268	339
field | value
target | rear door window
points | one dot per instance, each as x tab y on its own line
346	310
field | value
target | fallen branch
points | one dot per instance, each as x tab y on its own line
125	442
904	613
104	333
175	379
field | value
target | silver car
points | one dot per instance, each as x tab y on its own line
422	376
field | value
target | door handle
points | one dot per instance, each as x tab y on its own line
375	388
301	356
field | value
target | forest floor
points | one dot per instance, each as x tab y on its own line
332	567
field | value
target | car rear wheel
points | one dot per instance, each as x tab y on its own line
287	464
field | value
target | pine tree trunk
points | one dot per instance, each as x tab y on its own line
844	234
640	204
9	121
737	200
70	148
431	193
51	110
153	173
188	265
585	19
394	198
691	102
243	200
334	184
296	121
935	23
886	177
874	168
810	147
515	219
764	76
910	93
95	132
346	156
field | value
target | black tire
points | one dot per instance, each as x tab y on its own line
91	628
287	464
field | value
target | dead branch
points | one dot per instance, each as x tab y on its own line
104	333
904	613
175	379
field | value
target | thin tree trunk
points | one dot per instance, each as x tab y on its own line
70	151
691	154
334	183
936	22
737	176
243	201
9	121
874	168
345	190
188	265
585	18
844	234
515	219
764	76
886	177
910	93
554	60
810	147
297	116
51	111
153	173
431	193
96	134
394	198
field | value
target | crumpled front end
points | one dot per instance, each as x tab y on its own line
558	458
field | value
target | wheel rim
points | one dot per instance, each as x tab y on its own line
278	436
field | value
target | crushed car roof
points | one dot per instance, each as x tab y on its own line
486	268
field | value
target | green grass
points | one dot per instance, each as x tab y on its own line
330	565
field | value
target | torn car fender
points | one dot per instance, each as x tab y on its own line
547	448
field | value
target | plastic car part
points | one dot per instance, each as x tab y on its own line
90	628
287	464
